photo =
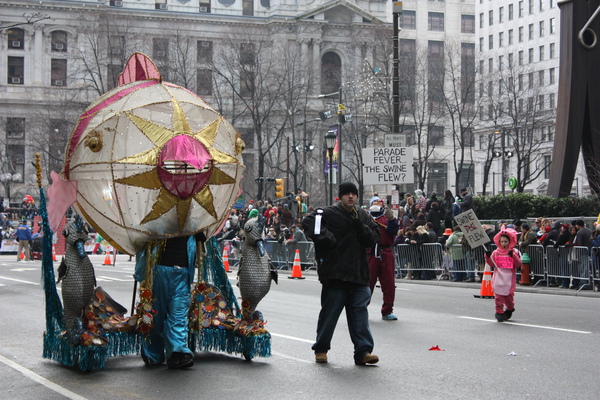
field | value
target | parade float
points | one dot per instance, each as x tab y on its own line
147	161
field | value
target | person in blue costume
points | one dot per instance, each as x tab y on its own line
173	266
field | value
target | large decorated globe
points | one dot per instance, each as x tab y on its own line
152	160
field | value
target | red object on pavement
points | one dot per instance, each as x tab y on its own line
436	348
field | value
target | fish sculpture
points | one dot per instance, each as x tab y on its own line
78	279
255	269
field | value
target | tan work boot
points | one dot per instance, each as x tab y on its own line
368	359
321	358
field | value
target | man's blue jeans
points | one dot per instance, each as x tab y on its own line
355	299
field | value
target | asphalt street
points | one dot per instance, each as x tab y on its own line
549	350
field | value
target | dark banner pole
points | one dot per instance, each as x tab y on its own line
397	10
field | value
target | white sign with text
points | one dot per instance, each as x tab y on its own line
471	228
388	165
394	140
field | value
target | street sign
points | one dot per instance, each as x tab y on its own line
394	140
471	228
239	203
396	198
387	165
397	7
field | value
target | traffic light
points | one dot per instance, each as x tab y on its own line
279	188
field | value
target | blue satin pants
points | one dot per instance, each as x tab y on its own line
171	290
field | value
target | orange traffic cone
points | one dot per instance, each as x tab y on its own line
107	259
53	252
22	256
296	269
486	291
226	260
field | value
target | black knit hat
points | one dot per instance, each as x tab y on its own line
347	187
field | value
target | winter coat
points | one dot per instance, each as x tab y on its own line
387	230
341	244
436	217
552	236
584	238
467	203
456	252
446	208
23	233
527	238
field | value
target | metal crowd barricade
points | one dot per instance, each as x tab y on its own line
414	261
433	258
278	254
562	263
477	259
595	266
401	252
461	261
538	263
307	254
579	263
282	255
556	263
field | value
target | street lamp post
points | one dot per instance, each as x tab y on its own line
503	155
6	179
397	10
308	147
330	139
339	138
341	121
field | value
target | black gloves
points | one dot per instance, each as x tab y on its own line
357	224
510	253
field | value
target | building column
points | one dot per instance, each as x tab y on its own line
316	64
37	66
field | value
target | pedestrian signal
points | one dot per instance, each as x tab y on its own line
279	188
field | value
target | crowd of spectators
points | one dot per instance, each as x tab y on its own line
283	220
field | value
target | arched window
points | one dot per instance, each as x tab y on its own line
59	41
331	73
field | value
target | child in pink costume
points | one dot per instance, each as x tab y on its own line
506	260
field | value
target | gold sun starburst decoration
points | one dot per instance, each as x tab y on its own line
159	136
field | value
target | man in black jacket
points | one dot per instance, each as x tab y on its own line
342	233
580	267
467	200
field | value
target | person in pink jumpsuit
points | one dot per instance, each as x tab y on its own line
505	260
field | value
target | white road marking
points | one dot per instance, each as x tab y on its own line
276	353
41	380
529	325
18	280
24	269
110	278
292	338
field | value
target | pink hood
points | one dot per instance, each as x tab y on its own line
512	236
